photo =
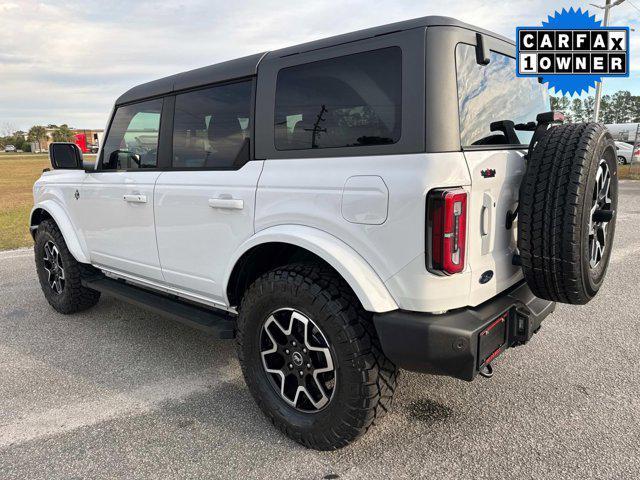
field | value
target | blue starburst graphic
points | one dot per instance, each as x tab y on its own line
571	20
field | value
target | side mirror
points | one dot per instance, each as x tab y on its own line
65	155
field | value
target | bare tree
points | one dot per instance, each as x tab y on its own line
7	129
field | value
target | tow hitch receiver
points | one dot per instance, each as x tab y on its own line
492	340
463	342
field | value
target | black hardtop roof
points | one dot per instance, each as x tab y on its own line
220	72
248	66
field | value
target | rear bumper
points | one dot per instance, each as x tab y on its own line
450	344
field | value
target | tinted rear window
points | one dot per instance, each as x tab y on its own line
490	93
211	127
348	101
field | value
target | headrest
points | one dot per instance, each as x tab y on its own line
193	122
223	126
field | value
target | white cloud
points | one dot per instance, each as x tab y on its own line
66	61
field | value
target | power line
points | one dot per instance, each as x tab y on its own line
633	5
607	7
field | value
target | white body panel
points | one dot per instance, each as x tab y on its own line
364	281
183	231
490	245
310	192
54	192
118	223
202	217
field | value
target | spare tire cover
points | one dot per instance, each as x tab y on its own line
567	212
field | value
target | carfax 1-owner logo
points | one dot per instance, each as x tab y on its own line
572	51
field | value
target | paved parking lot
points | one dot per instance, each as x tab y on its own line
118	392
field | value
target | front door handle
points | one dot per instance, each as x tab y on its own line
135	198
226	203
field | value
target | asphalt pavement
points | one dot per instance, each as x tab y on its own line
117	392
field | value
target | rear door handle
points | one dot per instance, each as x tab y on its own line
135	198
226	203
484	221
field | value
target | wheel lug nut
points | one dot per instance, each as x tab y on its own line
290	366
308	365
293	344
301	373
287	351
304	350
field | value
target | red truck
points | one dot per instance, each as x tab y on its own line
80	139
85	146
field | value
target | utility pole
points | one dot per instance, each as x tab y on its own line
607	7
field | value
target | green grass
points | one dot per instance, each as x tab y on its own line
18	172
629	172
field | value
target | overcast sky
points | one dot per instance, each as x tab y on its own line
67	61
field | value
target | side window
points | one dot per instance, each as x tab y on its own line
493	93
348	101
132	142
211	127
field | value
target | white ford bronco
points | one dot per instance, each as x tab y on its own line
390	198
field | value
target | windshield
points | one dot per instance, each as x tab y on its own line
493	93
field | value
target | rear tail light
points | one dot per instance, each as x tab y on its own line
636	154
446	230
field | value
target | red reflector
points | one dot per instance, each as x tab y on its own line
447	224
500	320
493	356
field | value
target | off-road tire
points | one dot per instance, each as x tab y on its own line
554	218
365	378
74	297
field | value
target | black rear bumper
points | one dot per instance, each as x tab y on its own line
451	344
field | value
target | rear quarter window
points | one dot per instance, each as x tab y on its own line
491	93
349	101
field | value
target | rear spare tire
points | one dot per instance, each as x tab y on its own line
566	213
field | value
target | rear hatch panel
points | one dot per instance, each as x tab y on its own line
495	182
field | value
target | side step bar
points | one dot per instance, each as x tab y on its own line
211	321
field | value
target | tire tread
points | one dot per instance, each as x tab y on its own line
378	374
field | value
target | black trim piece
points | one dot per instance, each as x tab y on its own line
482	51
218	323
252	120
165	140
448	344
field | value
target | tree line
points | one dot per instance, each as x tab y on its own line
36	134
621	107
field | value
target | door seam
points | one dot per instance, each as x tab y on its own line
155	229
